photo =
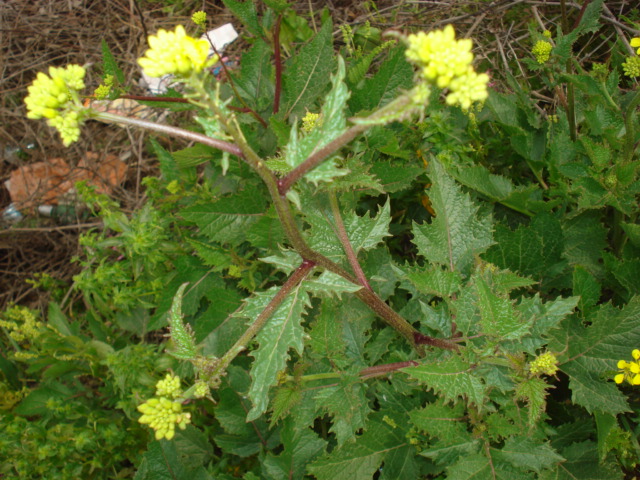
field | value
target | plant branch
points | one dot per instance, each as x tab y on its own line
399	109
346	244
293	281
278	64
375	303
318	156
169	130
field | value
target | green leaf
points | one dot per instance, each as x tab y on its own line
361	459
281	333
347	405
110	66
364	232
395	74
582	463
625	270
467	316
447	453
300	447
607	428
585	241
457	233
526	200
589	22
479	467
504	281
58	320
593	352
358	177
450	378
215	322
285	398
184	347
545	317
165	460
333	125
442	421
227	219
187	269
194	444
246	13
36	401
325	336
194	156
241	438
211	254
394	179
497	314
307	75
527	454
359	67
266	232
168	165
286	261
328	284
633	232
531	250
435	281
254	83
587	287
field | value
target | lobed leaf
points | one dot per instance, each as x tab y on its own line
457	232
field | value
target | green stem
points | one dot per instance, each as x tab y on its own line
346	244
293	281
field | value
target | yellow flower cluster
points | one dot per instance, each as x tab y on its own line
542	50
21	324
635	42
631	67
55	97
199	18
169	387
545	363
163	415
201	389
175	53
311	121
446	62
629	371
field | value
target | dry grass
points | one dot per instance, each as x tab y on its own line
38	33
